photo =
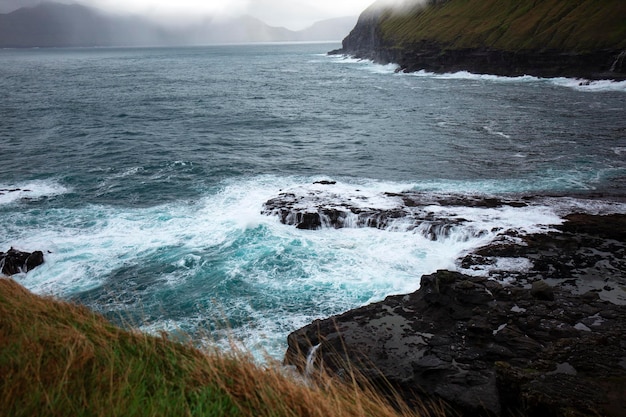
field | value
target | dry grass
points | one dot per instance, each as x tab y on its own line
59	359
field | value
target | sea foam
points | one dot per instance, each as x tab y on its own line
591	86
190	265
573	83
31	190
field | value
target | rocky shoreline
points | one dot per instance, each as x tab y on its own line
490	338
546	340
431	57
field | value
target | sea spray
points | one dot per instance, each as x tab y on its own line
179	267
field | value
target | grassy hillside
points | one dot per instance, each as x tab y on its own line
58	359
512	25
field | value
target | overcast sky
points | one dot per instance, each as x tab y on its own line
293	14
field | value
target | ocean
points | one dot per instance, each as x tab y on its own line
142	174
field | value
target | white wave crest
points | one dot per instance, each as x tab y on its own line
365	64
32	190
220	257
591	86
466	75
574	83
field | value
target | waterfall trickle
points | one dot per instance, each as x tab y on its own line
618	64
310	359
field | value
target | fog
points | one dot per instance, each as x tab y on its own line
402	6
292	14
182	22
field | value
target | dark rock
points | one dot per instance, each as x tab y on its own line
550	343
34	260
309	221
542	291
433	57
608	227
315	207
587	251
14	262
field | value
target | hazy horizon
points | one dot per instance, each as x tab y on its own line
293	15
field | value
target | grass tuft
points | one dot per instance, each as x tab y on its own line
60	359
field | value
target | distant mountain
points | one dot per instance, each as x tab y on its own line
58	25
235	30
328	30
53	25
7	6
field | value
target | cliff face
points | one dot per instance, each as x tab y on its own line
573	38
365	38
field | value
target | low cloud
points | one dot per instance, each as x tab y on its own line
401	6
293	14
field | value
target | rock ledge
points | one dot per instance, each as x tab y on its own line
551	342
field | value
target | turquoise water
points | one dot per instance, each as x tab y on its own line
143	173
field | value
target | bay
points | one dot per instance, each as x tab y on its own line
143	173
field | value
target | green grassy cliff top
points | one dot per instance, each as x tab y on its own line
512	25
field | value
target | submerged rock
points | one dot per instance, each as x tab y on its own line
322	205
547	343
14	261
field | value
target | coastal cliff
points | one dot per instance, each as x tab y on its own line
553	38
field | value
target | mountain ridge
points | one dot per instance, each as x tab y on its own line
53	24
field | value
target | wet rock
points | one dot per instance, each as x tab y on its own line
608	227
549	343
14	262
320	206
542	291
496	360
4	191
586	254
